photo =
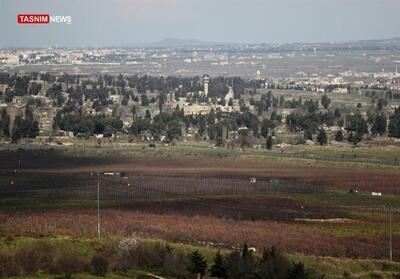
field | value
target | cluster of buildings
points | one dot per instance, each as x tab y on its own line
205	106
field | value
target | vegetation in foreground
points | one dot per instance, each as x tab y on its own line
22	257
65	258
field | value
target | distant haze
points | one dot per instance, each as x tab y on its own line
98	23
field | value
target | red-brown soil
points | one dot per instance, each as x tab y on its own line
341	177
194	229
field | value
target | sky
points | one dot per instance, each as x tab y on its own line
97	23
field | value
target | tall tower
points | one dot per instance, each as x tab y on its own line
206	80
258	75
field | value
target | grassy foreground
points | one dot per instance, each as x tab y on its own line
87	248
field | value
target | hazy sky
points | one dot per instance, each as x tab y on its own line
116	22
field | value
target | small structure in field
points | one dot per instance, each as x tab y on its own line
376	194
110	173
252	249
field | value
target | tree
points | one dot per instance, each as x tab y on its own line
337	113
31	128
269	142
69	262
241	265
273	264
4	124
202	126
381	103
354	138
100	265
134	111
234	264
138	126
266	124
124	101
174	130
16	134
298	272
147	114
379	124
108	131
357	127
321	137
308	135
218	269
325	101
161	101
244	137
311	106
339	136
245	251
197	264
242	105
145	100
211	117
394	124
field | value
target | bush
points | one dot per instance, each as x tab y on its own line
35	257
346	275
175	264
321	137
68	263
218	269
298	272
8	267
375	275
151	255
197	264
127	246
269	143
273	264
99	265
339	136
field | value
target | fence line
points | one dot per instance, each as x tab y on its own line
122	149
194	191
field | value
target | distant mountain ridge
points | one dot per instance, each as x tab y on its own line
173	42
371	44
368	44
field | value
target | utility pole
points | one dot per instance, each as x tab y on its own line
98	204
390	234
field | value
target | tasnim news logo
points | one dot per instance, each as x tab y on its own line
42	19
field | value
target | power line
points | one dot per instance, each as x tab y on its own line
390	234
98	205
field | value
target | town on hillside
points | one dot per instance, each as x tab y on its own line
40	107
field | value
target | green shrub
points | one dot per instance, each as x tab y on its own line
99	265
8	267
68	263
35	257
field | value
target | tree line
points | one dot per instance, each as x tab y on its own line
127	255
24	126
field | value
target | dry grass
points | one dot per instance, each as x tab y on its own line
194	229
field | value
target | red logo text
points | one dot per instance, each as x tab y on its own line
33	19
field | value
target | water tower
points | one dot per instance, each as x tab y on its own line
206	80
